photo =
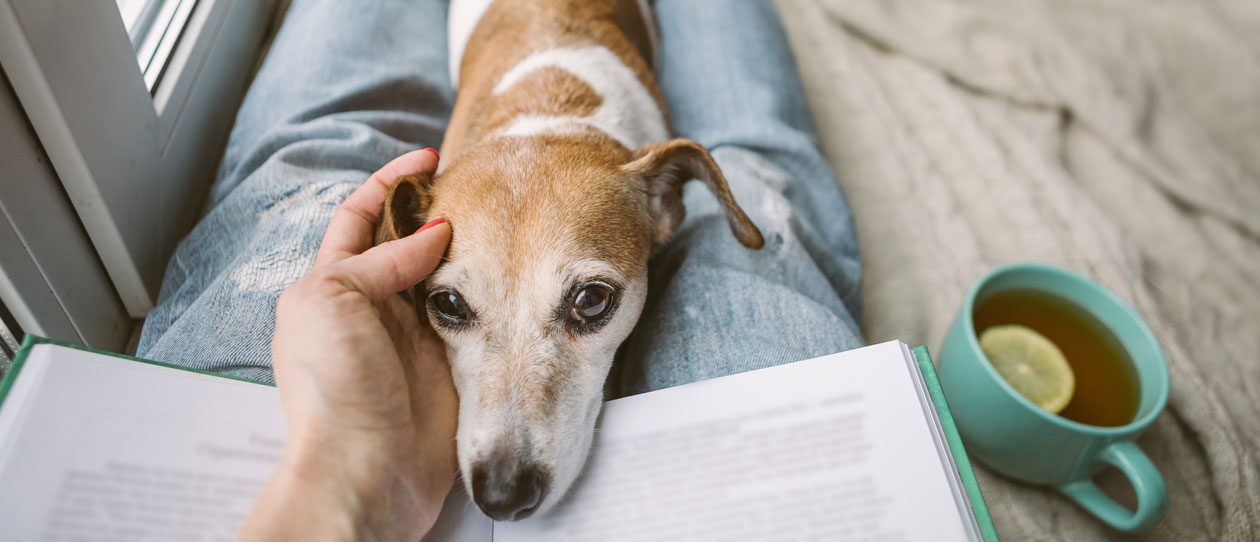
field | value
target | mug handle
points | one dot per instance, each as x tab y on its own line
1152	499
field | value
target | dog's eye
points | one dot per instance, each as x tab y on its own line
591	304
450	308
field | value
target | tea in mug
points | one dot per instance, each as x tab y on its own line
1106	387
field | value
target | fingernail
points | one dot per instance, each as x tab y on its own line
431	223
435	154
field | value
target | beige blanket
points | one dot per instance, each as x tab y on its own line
1119	138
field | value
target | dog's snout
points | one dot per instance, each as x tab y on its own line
507	489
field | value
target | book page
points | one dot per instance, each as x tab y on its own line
834	448
107	448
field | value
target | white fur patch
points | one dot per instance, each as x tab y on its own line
460	22
628	113
464	15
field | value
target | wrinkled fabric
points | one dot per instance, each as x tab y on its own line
1117	138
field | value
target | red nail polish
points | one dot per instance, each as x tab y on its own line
435	154
431	223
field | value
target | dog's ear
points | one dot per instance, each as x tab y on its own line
664	167
405	207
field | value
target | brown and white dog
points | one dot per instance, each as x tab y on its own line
559	181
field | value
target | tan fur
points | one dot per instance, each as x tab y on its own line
510	31
534	216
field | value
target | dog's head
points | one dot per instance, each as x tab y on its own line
545	276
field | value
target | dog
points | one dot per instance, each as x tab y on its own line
560	179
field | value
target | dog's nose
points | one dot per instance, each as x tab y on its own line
507	489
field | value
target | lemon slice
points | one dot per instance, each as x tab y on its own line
1031	364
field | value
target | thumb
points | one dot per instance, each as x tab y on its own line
389	268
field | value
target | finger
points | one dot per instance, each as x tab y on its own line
351	228
387	269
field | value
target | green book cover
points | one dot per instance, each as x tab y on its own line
955	445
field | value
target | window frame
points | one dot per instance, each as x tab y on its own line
136	165
51	281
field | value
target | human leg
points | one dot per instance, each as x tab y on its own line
714	307
345	87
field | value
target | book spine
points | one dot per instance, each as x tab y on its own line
965	472
32	340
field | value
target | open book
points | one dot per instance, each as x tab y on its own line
856	445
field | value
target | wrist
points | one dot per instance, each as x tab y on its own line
348	488
375	478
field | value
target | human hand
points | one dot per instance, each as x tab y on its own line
365	385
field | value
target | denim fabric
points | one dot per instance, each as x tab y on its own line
347	86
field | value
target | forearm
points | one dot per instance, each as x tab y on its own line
290	509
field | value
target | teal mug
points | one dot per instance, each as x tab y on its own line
1019	439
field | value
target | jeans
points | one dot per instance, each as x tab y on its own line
347	86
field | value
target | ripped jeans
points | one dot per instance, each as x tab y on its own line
347	86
